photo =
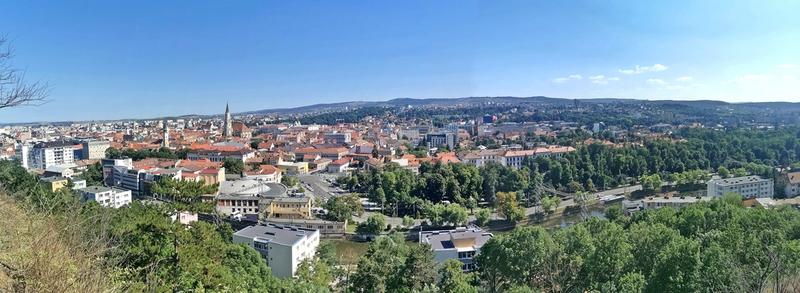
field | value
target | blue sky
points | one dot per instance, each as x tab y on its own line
110	59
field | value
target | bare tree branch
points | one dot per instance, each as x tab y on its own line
14	91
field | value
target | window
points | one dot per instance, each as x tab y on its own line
466	254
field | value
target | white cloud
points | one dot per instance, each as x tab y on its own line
568	78
644	69
602	79
787	66
656	81
684	79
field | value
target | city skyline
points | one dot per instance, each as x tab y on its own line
106	61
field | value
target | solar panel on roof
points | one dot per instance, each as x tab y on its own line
447	244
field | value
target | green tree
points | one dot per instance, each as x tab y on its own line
233	166
550	204
408	221
508	207
93	175
382	262
372	226
343	208
418	270
290	181
482	217
614	213
453	280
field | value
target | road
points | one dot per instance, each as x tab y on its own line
316	186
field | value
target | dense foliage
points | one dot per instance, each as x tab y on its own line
136	155
144	250
712	247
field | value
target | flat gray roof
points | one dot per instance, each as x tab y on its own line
740	180
98	189
281	234
677	199
460	239
251	187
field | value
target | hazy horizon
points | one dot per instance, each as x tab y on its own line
108	61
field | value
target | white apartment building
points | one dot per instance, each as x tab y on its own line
676	202
46	154
483	157
283	247
22	152
747	186
107	196
461	244
792	188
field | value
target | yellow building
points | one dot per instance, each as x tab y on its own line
54	183
293	168
289	208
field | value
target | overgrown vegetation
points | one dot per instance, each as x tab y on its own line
51	241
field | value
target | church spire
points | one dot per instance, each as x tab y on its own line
227	131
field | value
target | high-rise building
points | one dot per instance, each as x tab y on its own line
227	129
46	154
95	149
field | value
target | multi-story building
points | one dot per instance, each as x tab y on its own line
107	196
283	247
247	196
448	139
792	188
54	183
95	149
461	244
482	157
747	186
220	155
338	137
46	154
326	228
293	168
288	207
677	202
108	166
22	152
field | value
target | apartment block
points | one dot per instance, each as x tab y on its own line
283	247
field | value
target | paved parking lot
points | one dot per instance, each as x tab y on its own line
317	186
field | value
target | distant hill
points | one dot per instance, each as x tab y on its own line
754	107
467	101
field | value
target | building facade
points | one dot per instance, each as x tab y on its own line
95	149
792	188
283	247
46	154
747	186
107	196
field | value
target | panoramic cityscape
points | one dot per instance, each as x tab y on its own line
387	147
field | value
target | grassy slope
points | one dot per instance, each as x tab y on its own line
40	253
